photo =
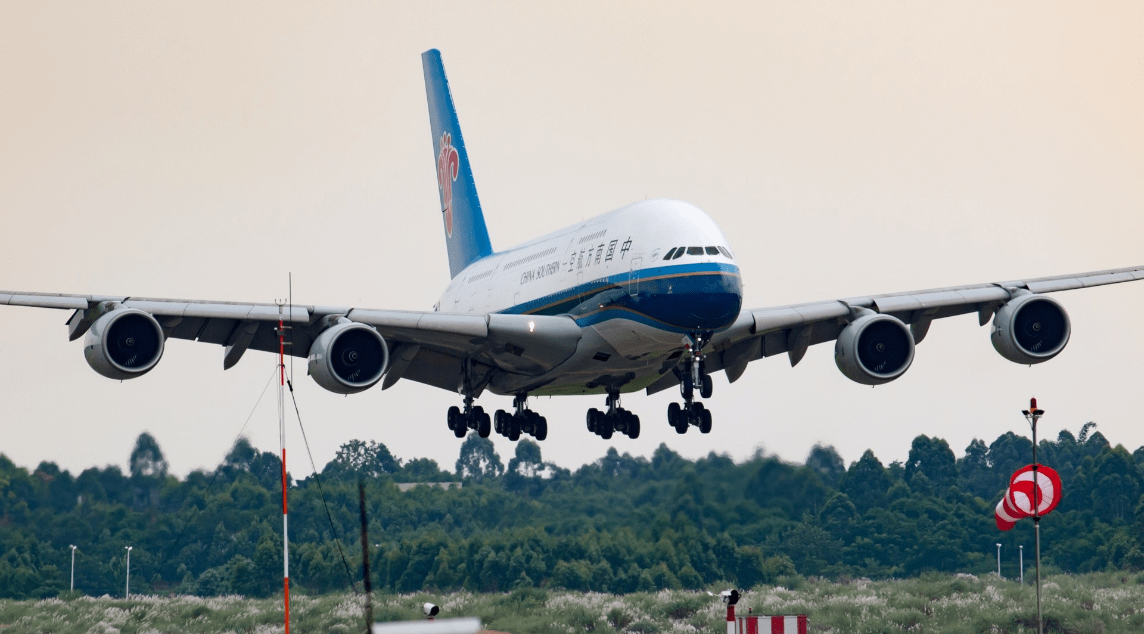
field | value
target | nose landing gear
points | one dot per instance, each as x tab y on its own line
523	420
691	413
616	418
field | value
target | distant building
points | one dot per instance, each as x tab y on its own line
405	486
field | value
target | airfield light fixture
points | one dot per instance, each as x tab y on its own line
127	588
73	567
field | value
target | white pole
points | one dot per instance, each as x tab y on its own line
127	590
282	442
998	561
1021	553
73	568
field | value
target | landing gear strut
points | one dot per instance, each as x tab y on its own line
473	417
603	424
522	420
694	375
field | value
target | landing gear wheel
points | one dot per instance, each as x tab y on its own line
593	419
540	432
453	417
499	421
687	389
514	429
705	421
484	425
459	430
634	427
673	412
707	386
605	426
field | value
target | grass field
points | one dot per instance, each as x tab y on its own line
1103	603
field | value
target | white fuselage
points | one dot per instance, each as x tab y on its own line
610	274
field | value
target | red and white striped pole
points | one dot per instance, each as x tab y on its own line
282	442
730	618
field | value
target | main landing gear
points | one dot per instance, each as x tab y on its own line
603	424
691	413
472	418
523	420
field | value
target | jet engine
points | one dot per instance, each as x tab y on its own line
874	349
123	344
348	357
1030	329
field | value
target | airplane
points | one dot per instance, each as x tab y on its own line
646	297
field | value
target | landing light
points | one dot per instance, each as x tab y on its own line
531	326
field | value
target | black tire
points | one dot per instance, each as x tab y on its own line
634	427
605	426
705	421
681	426
475	416
453	416
498	421
686	388
541	429
593	416
461	428
514	429
707	387
673	412
484	425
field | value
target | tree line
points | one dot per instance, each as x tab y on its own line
620	524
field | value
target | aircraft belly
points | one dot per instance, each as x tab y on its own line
596	366
632	339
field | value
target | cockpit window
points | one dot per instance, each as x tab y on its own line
712	251
726	252
679	253
694	250
667	256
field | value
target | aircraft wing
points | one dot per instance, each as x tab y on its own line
765	332
428	347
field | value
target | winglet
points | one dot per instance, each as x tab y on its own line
466	235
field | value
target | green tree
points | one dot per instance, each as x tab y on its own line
479	459
827	463
934	458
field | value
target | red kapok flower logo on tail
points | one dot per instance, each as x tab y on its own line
447	165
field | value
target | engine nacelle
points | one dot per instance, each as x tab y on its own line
123	344
348	357
1030	329
874	349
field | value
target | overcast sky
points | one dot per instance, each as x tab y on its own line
203	150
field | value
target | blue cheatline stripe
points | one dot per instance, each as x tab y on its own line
667	298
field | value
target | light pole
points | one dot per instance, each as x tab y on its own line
998	560
1033	415
1021	553
73	568
127	590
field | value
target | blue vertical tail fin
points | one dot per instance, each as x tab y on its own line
466	235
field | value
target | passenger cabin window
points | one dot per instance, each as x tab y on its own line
712	251
667	256
694	250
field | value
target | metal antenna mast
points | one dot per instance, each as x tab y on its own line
282	441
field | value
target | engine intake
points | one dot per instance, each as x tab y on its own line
874	349
348	358
1030	329
123	344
